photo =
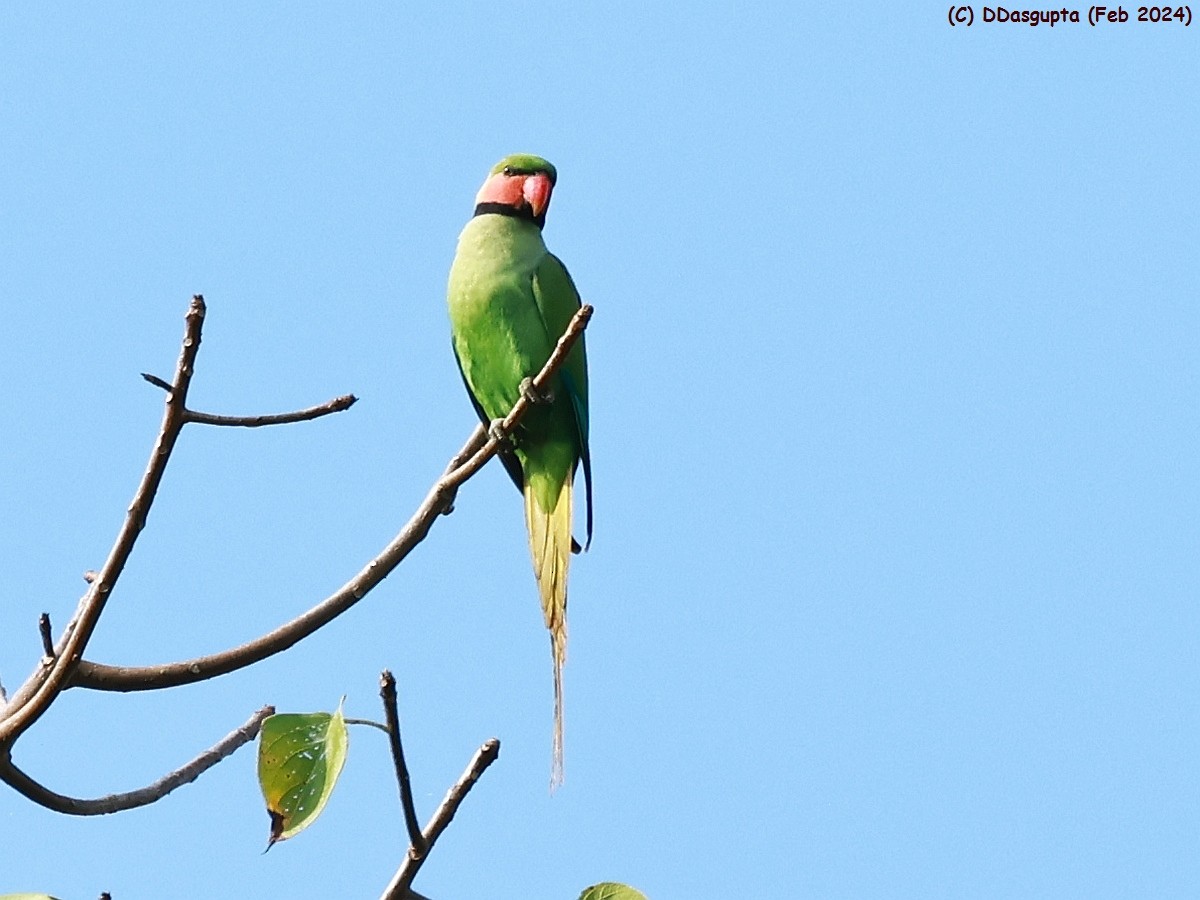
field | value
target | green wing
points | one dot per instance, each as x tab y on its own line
558	300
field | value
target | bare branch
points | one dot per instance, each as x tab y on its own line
336	405
112	803
40	690
399	886
387	692
478	450
470	448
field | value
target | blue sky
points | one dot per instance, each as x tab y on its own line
894	375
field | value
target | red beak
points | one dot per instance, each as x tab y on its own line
537	190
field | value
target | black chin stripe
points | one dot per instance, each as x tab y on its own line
504	209
513	212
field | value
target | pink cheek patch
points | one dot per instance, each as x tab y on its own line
500	188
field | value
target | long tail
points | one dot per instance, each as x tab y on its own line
550	542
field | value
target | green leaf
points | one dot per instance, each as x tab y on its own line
300	756
610	890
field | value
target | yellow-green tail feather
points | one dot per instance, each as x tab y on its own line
550	542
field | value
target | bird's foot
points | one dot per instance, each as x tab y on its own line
533	395
497	433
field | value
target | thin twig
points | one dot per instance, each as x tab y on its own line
391	713
336	405
158	382
370	722
35	696
478	450
402	880
47	637
112	803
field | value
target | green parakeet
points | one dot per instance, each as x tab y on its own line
510	300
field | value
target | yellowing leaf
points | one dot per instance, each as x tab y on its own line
300	756
610	890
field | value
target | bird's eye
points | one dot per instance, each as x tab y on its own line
508	170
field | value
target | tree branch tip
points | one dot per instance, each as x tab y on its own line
196	311
387	693
336	405
158	382
47	637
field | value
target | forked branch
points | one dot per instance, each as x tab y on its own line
48	681
63	666
60	659
402	881
477	451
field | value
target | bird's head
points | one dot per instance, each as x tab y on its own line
518	186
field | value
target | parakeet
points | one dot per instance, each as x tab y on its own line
510	300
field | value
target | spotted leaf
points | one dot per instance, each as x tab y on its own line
300	756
